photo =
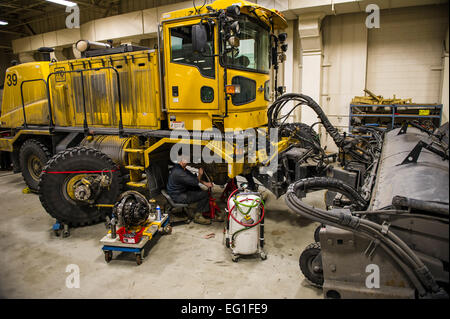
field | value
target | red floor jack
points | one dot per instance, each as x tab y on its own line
213	208
229	188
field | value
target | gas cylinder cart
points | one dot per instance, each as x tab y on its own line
133	240
244	227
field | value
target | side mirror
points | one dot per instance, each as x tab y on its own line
199	38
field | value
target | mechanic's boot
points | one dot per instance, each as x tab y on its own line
199	219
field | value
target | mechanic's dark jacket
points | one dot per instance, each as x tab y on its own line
181	180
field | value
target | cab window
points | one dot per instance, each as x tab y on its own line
181	51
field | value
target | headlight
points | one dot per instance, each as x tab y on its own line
233	10
236	28
234	41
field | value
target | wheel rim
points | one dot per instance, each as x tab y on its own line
312	271
34	166
68	185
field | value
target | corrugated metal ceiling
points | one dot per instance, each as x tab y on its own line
29	17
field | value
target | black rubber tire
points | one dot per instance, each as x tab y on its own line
138	259
37	149
57	203
108	255
227	242
306	258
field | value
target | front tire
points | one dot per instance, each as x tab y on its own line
33	156
53	186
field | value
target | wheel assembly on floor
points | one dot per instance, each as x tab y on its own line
77	184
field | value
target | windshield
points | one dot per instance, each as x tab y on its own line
253	51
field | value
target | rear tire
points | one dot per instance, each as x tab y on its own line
33	157
52	187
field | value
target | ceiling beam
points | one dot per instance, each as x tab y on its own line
13	6
12	32
30	6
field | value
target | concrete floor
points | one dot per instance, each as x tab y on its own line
181	265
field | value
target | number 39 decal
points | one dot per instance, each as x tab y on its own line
11	79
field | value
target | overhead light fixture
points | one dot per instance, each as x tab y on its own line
3	22
64	3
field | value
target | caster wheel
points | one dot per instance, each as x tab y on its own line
108	256
138	259
235	258
263	255
167	230
65	234
57	233
311	264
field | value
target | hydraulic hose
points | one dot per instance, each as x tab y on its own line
413	267
302	99
439	208
333	184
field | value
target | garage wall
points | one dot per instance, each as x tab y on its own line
405	53
343	67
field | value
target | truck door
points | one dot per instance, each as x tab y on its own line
190	78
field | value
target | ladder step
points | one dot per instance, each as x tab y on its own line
133	150
135	167
137	184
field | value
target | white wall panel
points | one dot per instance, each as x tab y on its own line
150	20
343	67
87	31
50	39
66	37
36	41
405	53
21	45
121	26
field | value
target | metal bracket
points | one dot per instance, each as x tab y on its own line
385	228
404	128
415	153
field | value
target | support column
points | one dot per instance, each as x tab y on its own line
311	40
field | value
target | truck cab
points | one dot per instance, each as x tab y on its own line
217	65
